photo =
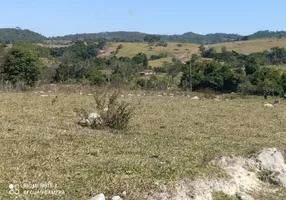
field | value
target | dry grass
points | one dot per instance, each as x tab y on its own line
184	52
169	139
252	46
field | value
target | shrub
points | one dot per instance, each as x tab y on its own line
179	45
112	113
120	46
162	44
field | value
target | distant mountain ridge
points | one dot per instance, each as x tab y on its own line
17	34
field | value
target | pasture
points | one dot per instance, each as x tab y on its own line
185	51
169	139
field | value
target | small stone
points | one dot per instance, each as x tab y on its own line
124	193
116	198
268	105
195	98
98	197
244	196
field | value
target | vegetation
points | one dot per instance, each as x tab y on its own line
168	139
230	71
220	71
16	34
9	35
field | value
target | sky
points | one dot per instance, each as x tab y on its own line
62	17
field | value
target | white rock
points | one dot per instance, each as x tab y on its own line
130	95
98	197
89	94
124	193
268	105
105	109
272	160
80	93
122	95
244	196
116	198
94	118
44	95
42	92
49	91
195	98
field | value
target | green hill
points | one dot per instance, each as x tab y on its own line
16	34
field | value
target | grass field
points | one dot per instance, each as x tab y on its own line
169	139
184	52
252	46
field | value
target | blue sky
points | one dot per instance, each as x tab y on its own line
61	17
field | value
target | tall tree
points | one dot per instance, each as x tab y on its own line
21	65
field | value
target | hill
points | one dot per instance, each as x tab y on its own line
183	51
123	36
16	34
189	37
267	34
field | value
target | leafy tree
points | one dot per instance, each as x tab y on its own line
173	69
251	65
70	72
246	88
202	49
152	38
283	81
96	77
21	64
141	58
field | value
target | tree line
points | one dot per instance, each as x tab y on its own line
223	71
10	35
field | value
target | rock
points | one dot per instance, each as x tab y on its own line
124	193
195	98
273	161
116	198
268	105
42	92
244	196
44	95
105	109
98	197
89	94
92	119
80	93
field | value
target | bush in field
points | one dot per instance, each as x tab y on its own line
111	113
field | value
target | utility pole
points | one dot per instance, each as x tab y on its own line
191	81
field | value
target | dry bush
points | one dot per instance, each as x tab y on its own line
112	113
